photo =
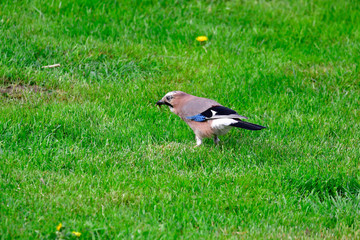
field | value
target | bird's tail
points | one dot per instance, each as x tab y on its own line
247	125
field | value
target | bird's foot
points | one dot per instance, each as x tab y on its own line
216	140
198	141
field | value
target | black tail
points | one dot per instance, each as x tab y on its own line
247	125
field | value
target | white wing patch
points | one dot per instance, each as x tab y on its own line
222	125
213	112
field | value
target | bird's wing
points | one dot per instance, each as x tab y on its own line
192	105
215	112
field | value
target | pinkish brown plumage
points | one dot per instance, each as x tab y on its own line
206	117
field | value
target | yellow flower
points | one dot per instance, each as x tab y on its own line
77	234
201	38
58	227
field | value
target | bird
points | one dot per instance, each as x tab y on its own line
206	117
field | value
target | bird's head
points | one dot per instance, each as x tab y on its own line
171	99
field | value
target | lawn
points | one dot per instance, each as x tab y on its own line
85	145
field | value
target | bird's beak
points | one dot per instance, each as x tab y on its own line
159	103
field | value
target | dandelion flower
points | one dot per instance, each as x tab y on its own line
201	38
77	234
58	227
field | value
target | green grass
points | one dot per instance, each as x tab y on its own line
91	150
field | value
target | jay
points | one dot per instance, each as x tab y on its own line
206	117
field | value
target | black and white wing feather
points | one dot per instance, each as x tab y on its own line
224	117
216	112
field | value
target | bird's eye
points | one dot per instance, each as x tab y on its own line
168	98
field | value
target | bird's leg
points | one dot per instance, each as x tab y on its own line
216	140
198	141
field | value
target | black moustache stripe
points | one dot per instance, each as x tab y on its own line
168	104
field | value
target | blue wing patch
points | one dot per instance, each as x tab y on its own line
197	118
